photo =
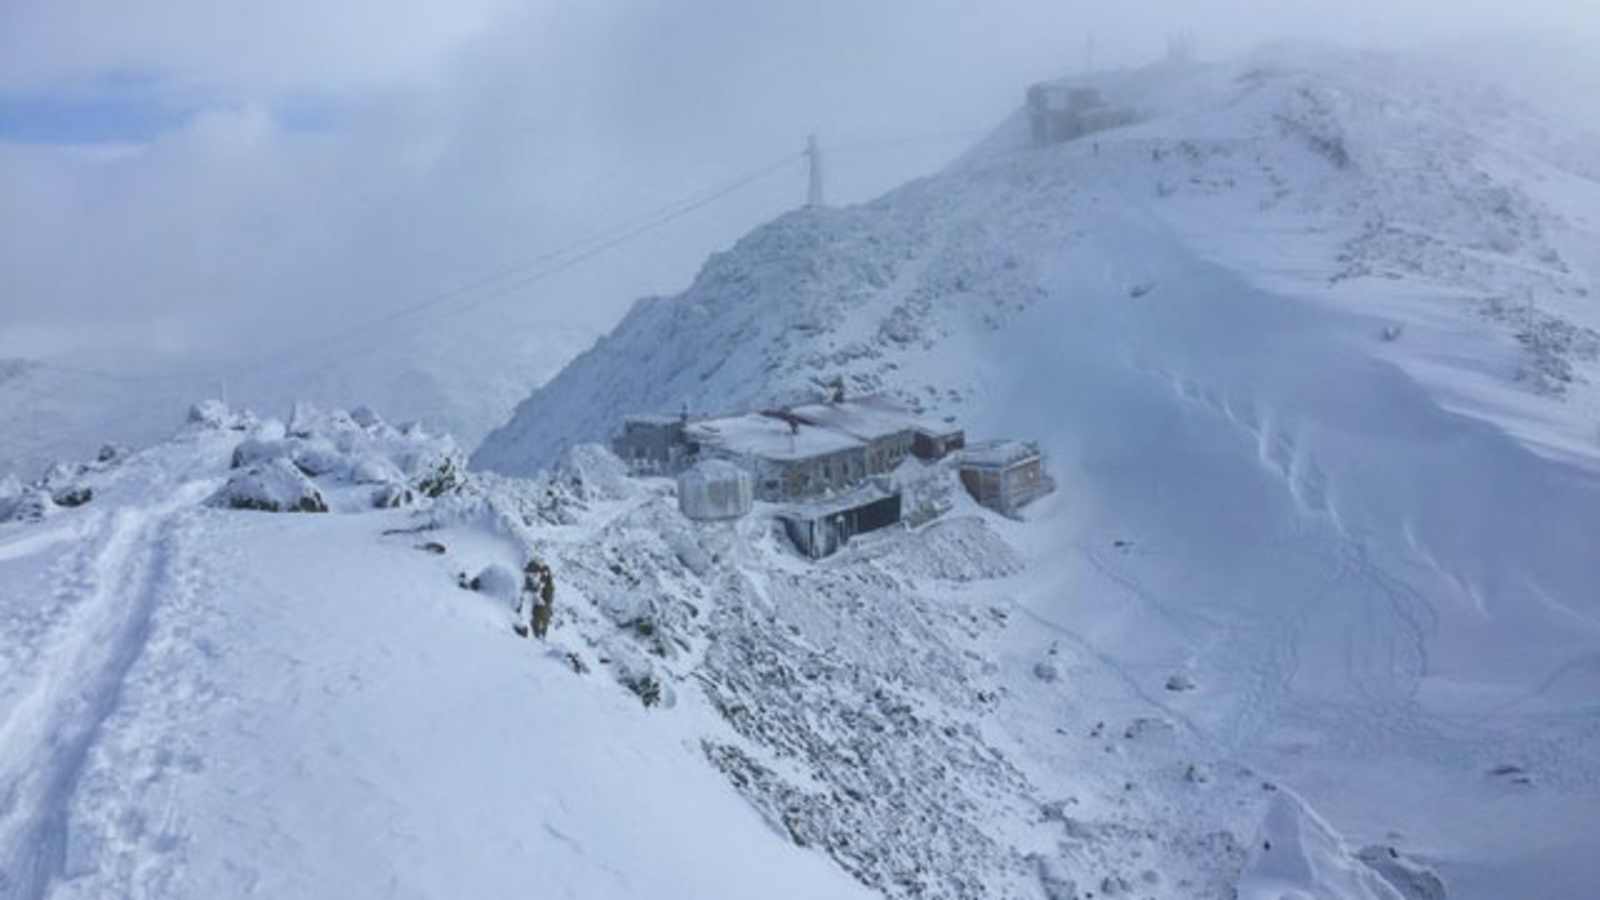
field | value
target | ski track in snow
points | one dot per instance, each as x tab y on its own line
47	736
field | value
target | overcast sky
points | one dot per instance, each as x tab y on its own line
196	174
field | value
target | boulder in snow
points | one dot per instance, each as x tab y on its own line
392	496
319	457
216	415
73	495
371	468
500	582
307	419
636	673
436	470
365	417
256	450
592	472
31	505
271	486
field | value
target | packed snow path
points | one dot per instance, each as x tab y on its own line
206	703
80	648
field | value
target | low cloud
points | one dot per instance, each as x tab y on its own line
339	161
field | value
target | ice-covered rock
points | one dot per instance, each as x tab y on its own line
254	450
635	672
392	496
318	457
591	472
307	419
372	468
500	582
365	417
33	505
216	415
274	485
72	495
436	470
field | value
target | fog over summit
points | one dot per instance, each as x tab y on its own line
1028	450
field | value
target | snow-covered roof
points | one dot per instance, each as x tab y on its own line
754	434
651	419
871	493
998	454
868	419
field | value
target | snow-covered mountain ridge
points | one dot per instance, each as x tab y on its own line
1312	347
1358	180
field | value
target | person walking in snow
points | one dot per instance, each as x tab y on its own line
539	591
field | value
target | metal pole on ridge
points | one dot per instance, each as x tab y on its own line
813	155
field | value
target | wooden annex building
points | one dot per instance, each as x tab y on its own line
1005	475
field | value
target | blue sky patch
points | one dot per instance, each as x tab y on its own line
133	107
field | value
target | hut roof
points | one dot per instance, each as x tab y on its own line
868	419
651	419
999	454
821	509
754	434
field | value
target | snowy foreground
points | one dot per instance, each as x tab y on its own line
203	702
206	700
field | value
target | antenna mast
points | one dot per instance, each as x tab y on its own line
814	165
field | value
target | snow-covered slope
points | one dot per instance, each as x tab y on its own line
1313	347
199	700
207	702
